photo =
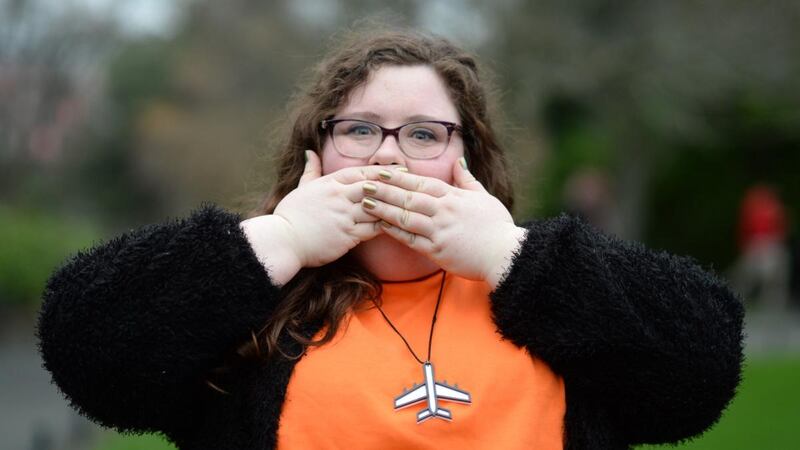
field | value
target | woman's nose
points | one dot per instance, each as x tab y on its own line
388	153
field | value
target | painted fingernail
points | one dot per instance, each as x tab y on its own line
385	224
385	174
369	188
305	155
369	203
402	169
463	162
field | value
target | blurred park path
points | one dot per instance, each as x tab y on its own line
773	332
33	414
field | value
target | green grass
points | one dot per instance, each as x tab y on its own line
765	414
126	442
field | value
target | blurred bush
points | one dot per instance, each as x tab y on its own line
696	189
34	244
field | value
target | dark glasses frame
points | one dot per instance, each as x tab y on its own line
328	125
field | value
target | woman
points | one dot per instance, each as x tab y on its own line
382	264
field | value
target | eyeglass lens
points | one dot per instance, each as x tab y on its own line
418	140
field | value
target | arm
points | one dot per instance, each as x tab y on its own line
650	338
130	328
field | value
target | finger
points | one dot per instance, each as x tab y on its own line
364	231
349	175
419	202
413	182
414	241
414	201
313	168
357	213
352	179
463	178
408	220
355	192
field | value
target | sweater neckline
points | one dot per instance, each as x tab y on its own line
412	294
413	280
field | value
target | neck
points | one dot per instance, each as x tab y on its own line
390	260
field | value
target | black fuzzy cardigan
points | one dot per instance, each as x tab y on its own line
649	344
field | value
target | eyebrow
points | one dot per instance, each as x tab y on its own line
372	117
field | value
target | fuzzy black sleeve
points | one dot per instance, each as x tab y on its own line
649	340
129	329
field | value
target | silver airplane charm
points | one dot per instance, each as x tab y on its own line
432	391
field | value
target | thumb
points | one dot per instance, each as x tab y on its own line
463	178
313	168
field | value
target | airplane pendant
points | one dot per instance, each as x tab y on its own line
432	391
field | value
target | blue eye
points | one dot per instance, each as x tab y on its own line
360	130
421	134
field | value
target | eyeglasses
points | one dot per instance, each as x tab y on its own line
418	140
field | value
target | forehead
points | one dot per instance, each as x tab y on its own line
393	94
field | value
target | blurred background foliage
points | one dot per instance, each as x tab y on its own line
651	118
677	107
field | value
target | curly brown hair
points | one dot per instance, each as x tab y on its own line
323	295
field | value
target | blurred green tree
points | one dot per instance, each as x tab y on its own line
639	89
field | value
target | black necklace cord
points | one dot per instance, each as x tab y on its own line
433	322
435	312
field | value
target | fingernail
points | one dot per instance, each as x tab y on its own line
305	154
369	203
385	174
463	162
402	169
370	188
385	224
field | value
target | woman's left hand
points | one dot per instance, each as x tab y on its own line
461	227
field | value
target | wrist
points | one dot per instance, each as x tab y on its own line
509	244
273	242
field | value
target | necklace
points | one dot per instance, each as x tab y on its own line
430	389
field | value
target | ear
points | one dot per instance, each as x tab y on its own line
463	178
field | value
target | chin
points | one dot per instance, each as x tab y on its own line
390	260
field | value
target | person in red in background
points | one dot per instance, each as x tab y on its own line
762	272
762	217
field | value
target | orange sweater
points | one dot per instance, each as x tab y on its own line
341	394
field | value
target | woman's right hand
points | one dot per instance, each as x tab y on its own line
317	223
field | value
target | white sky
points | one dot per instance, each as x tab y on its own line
133	16
453	18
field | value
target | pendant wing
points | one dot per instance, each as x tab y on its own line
411	398
446	392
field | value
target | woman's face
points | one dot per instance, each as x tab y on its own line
391	97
